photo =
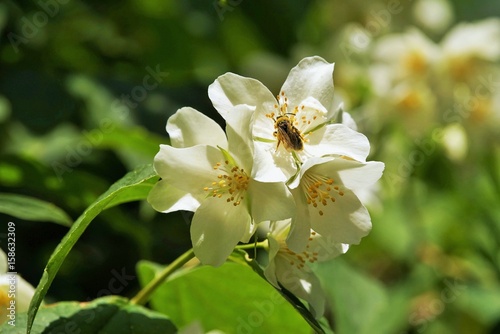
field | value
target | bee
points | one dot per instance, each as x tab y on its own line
288	134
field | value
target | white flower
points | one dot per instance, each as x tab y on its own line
454	141
294	126
324	193
291	271
434	15
474	40
206	173
408	55
22	293
470	49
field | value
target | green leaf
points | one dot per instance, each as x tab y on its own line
29	208
111	314
360	304
239	256
131	186
481	302
230	298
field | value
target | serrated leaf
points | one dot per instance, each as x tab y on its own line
124	189
230	298
33	209
107	315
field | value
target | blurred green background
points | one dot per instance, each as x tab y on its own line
80	106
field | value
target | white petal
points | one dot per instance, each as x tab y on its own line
313	76
302	283
301	225
249	232
348	121
310	115
263	126
345	221
216	228
24	292
310	163
338	139
326	247
166	198
270	270
238	128
270	201
352	174
189	127
270	165
230	90
188	169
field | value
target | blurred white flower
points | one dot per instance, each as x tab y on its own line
433	15
454	140
474	40
408	55
467	44
15	292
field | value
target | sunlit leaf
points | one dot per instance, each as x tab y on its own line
110	314
230	298
360	304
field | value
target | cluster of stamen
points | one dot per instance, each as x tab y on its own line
299	259
231	184
305	120
320	190
282	109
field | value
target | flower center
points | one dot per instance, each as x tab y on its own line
231	184
319	189
299	259
281	109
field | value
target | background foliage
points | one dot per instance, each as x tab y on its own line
77	112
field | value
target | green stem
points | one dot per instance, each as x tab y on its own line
262	244
143	296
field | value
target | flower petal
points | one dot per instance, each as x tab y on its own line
188	169
352	174
338	139
184	128
230	90
326	248
313	76
216	228
301	225
166	198
311	114
310	163
24	292
302	283
348	121
270	201
344	221
270	270
271	165
238	128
